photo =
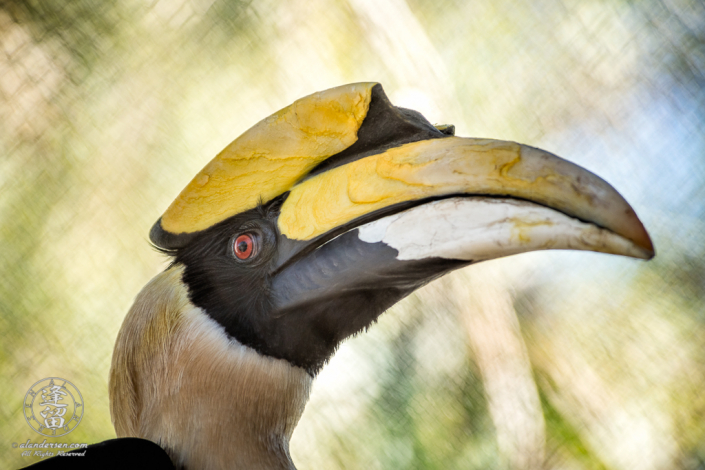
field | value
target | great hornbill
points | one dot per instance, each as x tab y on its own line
300	234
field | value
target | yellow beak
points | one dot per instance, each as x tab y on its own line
453	166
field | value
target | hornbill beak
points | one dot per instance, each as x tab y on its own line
407	213
374	202
395	220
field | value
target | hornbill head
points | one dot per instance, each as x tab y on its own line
300	234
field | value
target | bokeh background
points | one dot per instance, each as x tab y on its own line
555	360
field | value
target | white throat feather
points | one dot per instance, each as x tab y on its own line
177	379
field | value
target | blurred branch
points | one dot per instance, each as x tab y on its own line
487	311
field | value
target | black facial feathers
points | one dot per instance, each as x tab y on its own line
233	292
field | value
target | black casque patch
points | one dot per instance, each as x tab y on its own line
385	126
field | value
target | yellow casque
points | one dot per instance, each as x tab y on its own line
268	159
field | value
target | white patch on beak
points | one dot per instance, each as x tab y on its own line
481	228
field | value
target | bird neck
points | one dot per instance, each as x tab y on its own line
177	379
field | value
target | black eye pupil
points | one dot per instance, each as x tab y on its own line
242	246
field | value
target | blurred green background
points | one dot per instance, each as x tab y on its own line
555	360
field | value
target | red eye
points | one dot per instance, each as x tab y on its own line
244	246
